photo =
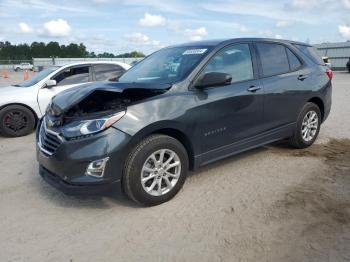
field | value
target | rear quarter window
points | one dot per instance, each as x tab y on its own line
311	53
294	62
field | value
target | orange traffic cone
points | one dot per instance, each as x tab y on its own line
5	74
26	75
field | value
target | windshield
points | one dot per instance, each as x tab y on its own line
40	76
165	66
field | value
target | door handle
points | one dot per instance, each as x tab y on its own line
253	89
302	77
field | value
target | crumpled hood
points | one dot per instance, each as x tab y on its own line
68	98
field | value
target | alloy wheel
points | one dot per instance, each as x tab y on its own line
309	126
15	121
160	172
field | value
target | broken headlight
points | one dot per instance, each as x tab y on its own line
91	126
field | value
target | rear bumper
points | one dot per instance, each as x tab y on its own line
327	103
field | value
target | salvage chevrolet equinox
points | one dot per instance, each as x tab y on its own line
179	109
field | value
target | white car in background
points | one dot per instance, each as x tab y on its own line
21	105
23	66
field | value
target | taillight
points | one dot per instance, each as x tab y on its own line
329	73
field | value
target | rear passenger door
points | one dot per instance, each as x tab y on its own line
285	82
109	72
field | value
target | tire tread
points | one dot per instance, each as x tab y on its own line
295	140
130	160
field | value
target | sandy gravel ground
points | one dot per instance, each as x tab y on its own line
269	204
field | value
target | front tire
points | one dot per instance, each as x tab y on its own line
307	126
16	121
155	170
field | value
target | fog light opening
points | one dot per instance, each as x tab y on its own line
97	168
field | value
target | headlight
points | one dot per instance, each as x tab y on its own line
91	126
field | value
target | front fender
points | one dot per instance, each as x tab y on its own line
172	113
20	96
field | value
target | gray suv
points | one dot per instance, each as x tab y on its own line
181	108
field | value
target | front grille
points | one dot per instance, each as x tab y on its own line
49	141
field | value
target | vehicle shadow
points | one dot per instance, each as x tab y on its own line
105	200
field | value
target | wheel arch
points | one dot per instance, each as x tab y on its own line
319	102
170	130
182	138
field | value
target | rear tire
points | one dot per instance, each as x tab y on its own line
148	178
307	126
16	121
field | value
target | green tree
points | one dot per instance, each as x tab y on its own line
91	55
38	50
106	55
53	49
9	51
82	50
133	54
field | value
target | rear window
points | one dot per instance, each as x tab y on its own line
311	53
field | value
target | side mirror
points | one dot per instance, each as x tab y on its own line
213	79
50	83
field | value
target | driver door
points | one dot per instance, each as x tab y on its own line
231	113
65	79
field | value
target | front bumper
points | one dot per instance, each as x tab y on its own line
58	183
65	168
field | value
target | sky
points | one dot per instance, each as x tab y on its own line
120	26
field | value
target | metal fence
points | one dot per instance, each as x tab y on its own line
338	53
10	64
44	62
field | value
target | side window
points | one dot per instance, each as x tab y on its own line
234	60
273	59
72	76
294	61
108	72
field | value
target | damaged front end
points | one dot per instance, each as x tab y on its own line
89	109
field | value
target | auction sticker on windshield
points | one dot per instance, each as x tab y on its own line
194	51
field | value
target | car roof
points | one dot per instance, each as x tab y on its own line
216	42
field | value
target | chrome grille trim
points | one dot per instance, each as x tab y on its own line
48	140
